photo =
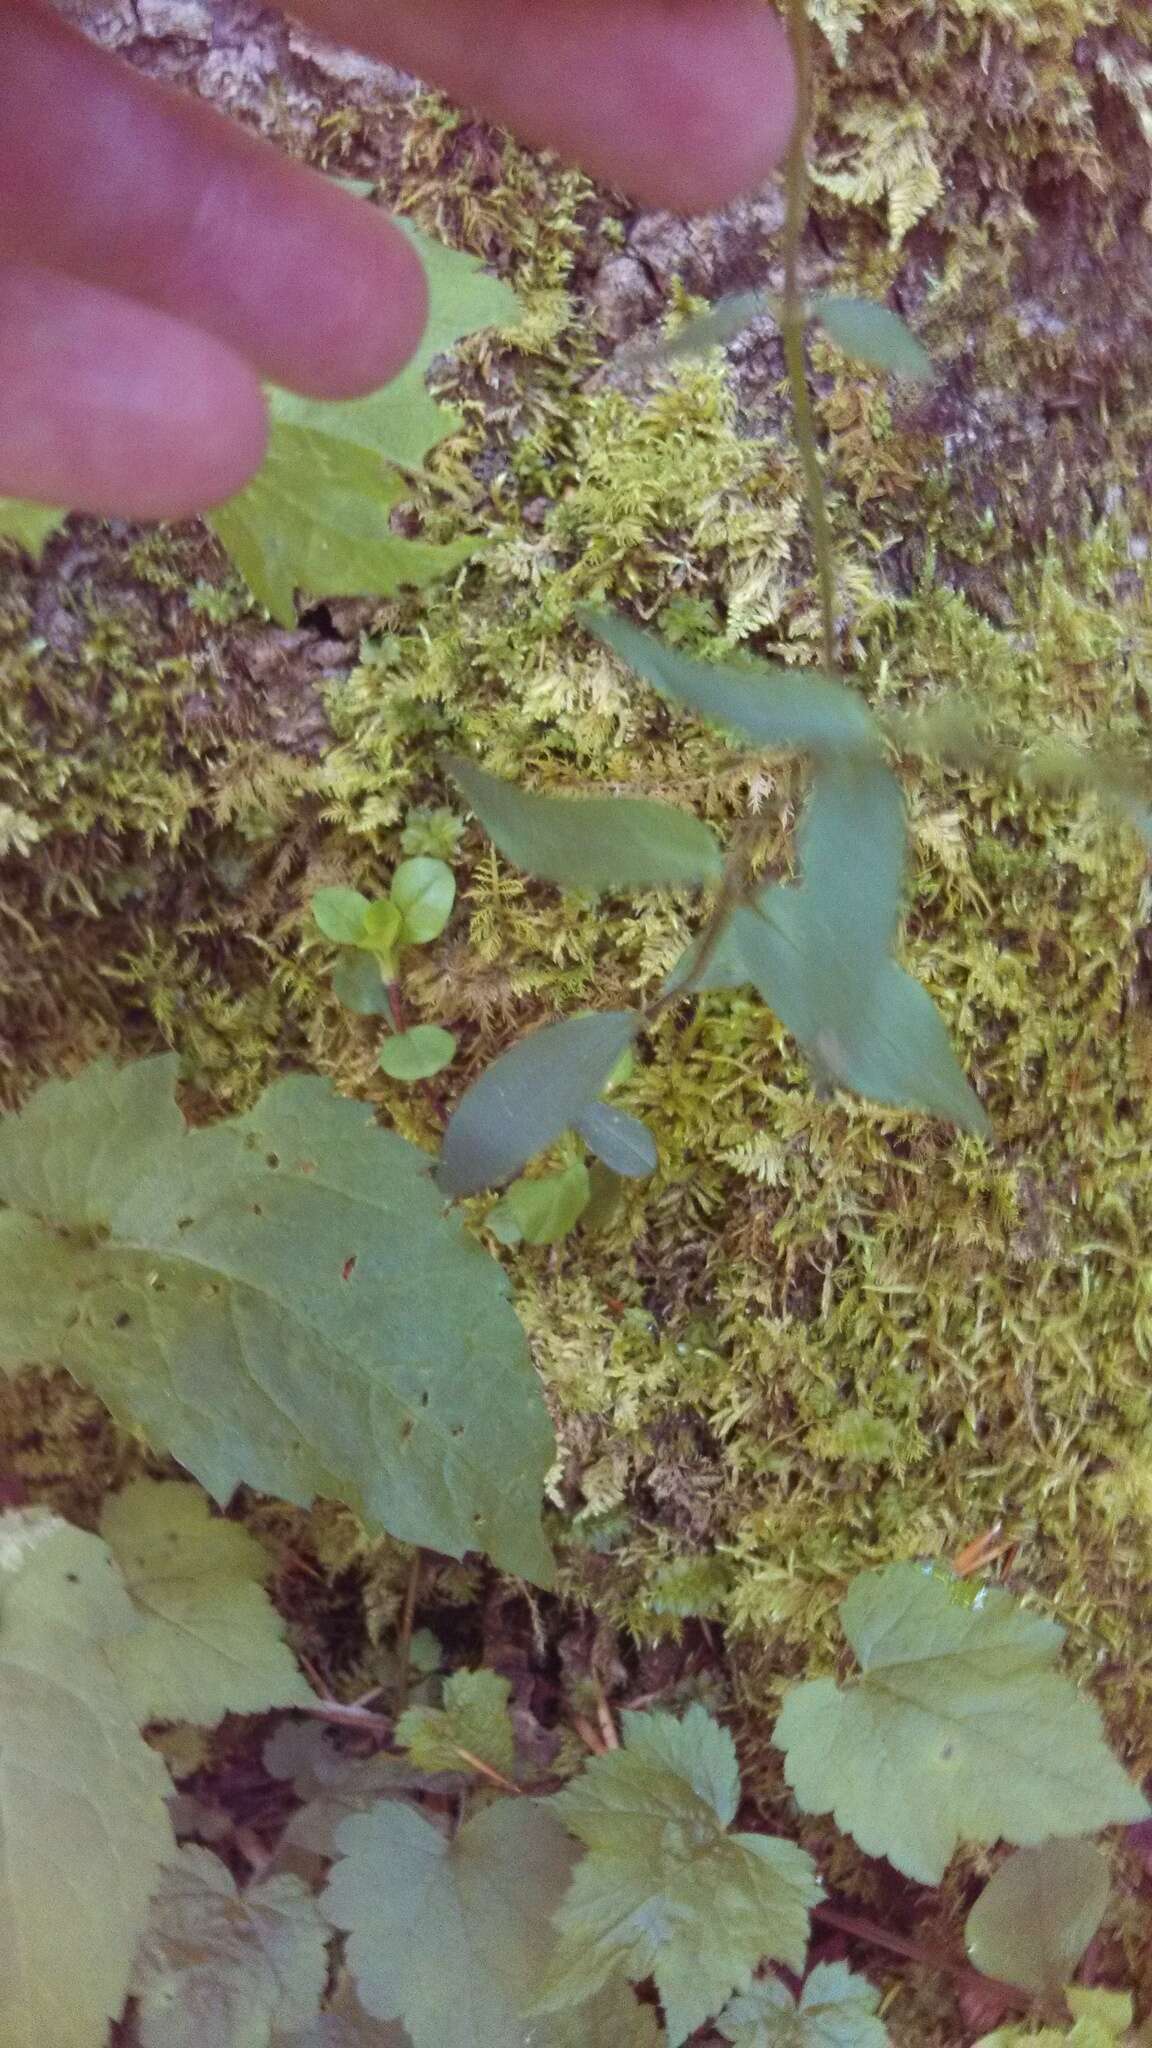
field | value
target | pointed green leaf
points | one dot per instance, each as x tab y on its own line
358	983
417	1054
450	1936
958	1728
620	1141
873	334
28	525
785	709
473	1720
835	2009
1100	2019
280	1301
664	1890
222	1967
1037	1914
728	317
340	914
528	1096
208	1640
84	1827
423	891
542	1211
591	842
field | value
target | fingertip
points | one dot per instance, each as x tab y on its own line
721	105
371	314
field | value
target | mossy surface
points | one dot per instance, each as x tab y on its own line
826	1335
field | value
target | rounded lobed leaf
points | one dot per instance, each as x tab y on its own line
417	1054
1037	1914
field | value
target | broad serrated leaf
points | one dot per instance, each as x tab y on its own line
1037	1914
784	709
279	1301
450	1937
542	1211
29	525
665	1890
619	1141
958	1728
417	1054
222	1967
423	891
208	1640
471	1726
358	983
84	1827
340	914
318	515
527	1097
835	2009
873	334
592	842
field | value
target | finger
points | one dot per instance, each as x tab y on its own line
124	183
682	102
109	406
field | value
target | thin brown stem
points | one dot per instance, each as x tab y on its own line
404	1633
920	1952
792	323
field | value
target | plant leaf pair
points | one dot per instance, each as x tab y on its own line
866	330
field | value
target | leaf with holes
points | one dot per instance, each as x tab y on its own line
318	514
835	2009
423	892
84	1828
417	1054
277	1300
472	1724
620	1141
958	1728
608	842
207	1639
873	334
542	1211
665	1890
1037	1914
527	1097
28	525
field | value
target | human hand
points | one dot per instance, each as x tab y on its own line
157	261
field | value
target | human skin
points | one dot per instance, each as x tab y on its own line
157	261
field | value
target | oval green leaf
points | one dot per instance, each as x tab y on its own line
417	1054
592	842
528	1096
358	983
543	1211
423	892
873	334
621	1141
1037	1914
381	931
340	914
713	329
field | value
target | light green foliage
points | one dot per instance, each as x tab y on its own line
340	914
358	983
28	525
874	335
473	1723
1037	1914
318	514
1100	2019
415	911
227	1968
835	2009
83	1824
278	1300
544	1210
529	1096
621	1142
380	933
423	892
450	1936
592	842
688	1586
207	1640
724	320
664	1889
417	1054
958	1728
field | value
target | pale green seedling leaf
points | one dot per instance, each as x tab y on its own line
592	842
958	1728
279	1301
318	515
208	1640
665	1890
1100	2019
620	1141
358	983
340	914
450	1936
1037	1914
381	932
84	1827
417	1054
873	334
528	1096
835	2009
423	891
225	1968
542	1211
29	525
472	1724
783	709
